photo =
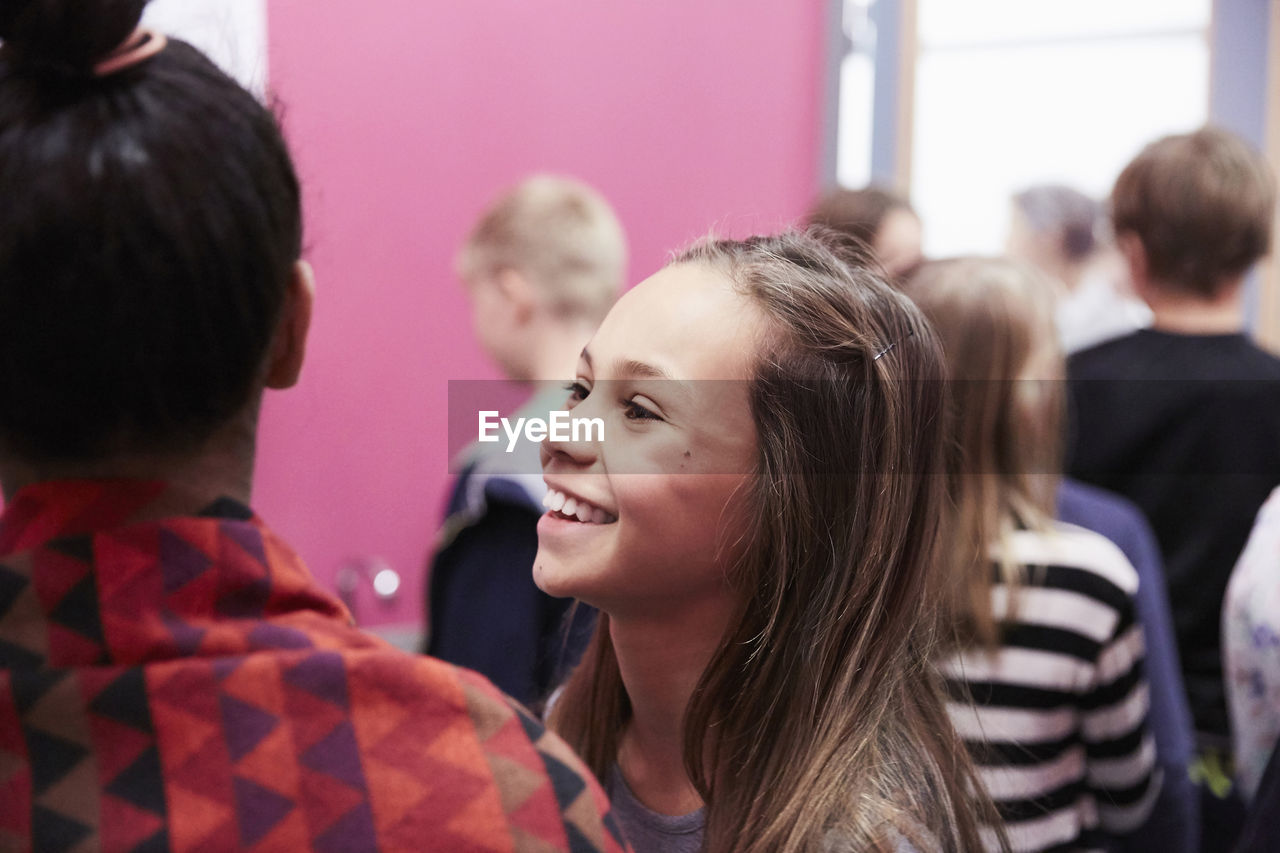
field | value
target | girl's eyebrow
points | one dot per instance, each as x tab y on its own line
632	368
641	370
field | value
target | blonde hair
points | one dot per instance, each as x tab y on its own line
994	316
561	235
818	723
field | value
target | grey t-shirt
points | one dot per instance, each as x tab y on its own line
648	831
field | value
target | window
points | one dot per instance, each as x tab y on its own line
1010	93
857	96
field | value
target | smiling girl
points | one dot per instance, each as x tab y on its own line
758	531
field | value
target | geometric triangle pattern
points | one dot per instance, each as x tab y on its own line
13	656
78	610
124	700
185	637
137	783
245	725
180	561
54	832
52	759
77	547
258	809
337	755
11	586
60	762
173	679
352	833
322	675
531	751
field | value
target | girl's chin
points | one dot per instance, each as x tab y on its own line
571	556
554	578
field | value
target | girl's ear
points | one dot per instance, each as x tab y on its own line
289	348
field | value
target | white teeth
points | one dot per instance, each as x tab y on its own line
586	513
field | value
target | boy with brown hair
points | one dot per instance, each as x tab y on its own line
542	266
1183	418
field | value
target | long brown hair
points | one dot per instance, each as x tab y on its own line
994	317
818	723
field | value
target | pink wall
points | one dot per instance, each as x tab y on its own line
406	117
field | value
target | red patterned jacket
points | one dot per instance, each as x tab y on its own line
174	679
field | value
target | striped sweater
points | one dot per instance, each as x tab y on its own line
1056	717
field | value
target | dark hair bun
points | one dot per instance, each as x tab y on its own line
65	35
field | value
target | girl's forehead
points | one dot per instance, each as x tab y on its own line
688	320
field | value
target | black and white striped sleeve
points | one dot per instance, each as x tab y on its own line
1119	746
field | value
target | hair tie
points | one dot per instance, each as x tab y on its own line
141	45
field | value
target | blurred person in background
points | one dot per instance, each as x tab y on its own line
1251	649
1046	673
1182	418
1056	229
542	267
1261	832
1059	230
1174	825
880	220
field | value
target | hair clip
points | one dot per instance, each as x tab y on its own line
890	347
141	45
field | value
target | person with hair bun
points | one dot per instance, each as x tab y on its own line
758	527
171	676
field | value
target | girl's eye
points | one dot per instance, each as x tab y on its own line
577	392
636	412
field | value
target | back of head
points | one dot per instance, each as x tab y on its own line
1067	216
560	234
990	313
1202	205
150	227
857	213
995	319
